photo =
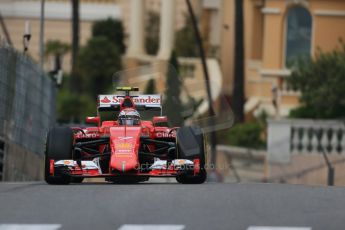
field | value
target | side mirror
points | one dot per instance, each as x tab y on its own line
161	121
92	120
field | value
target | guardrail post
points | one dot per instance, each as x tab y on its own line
2	154
330	177
330	180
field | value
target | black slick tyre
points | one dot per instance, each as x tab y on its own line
191	145
58	147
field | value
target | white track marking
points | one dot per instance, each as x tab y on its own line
30	226
277	228
21	183
151	227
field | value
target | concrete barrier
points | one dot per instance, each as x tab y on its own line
21	164
236	164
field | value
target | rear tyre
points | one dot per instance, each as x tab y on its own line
191	145
58	147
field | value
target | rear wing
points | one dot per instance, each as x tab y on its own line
149	101
149	106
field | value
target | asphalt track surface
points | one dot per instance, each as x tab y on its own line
206	206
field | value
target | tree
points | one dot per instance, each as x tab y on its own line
98	61
172	104
150	87
248	135
93	68
321	82
185	44
58	49
152	33
111	29
73	107
238	92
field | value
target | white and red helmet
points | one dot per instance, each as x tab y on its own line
129	116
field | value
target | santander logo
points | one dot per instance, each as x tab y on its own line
147	100
143	99
105	100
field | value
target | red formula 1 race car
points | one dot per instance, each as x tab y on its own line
131	143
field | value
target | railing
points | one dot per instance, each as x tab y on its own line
315	139
286	137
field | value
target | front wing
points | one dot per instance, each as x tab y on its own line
90	169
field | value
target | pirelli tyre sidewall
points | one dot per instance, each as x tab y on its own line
58	147
191	145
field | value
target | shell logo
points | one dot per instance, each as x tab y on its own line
181	162
124	145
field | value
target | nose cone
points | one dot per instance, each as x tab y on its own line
125	147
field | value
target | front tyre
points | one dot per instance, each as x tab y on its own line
191	145
58	147
189	179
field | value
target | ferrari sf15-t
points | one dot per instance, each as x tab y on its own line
130	142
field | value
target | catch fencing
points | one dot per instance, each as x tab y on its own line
27	106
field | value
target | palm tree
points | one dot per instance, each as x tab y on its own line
57	49
75	45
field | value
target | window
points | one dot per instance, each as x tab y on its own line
298	35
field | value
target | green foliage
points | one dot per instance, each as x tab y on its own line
172	106
150	87
248	135
72	107
56	47
322	83
185	44
262	117
112	30
295	61
152	33
98	61
302	112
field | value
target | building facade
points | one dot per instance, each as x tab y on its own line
276	33
58	24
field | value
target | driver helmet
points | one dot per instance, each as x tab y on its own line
129	117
